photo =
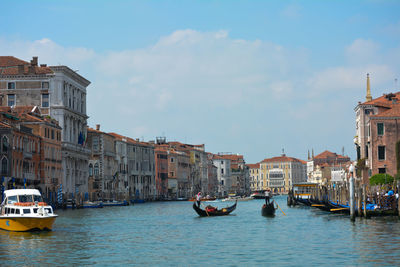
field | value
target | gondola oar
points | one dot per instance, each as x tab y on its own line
280	208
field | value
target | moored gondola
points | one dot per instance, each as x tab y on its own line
212	211
268	209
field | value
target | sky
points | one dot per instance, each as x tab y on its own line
245	77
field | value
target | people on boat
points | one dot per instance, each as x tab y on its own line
198	198
267	196
210	208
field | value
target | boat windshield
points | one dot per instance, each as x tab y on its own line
25	198
37	198
12	200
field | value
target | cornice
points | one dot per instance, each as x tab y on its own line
69	72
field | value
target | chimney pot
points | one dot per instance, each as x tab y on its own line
34	61
43	65
98	127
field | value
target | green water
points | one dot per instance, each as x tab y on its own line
171	234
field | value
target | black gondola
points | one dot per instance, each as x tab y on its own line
211	211
268	209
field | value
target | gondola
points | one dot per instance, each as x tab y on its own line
268	209
212	211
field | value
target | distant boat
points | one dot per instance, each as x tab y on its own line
257	195
268	209
213	211
113	203
92	205
24	210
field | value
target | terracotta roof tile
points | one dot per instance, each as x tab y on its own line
283	159
393	112
9	66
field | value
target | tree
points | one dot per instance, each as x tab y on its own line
380	179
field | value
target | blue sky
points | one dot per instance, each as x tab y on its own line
248	77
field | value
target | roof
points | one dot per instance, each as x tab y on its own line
328	154
7	61
10	66
385	100
16	192
393	112
283	159
253	166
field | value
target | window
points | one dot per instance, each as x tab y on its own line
90	169
95	143
45	85
381	170
10	100
380	127
27	211
45	100
96	169
5	144
172	159
11	85
381	152
366	151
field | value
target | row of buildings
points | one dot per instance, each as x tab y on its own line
279	174
377	144
46	144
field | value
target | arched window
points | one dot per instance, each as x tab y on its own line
4	166
90	169
5	144
96	169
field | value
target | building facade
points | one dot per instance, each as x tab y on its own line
282	172
60	93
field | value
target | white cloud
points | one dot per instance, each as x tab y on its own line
217	88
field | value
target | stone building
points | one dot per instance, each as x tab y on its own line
256	183
60	92
376	132
161	171
103	165
282	172
20	152
384	138
136	173
49	131
224	175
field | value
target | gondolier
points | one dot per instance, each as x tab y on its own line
267	196
198	198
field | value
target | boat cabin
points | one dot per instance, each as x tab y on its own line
23	201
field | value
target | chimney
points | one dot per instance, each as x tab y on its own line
98	127
34	61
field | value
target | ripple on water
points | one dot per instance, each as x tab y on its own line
171	234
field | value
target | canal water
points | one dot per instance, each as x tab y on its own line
171	234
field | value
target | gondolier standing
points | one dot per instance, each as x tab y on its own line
198	198
267	196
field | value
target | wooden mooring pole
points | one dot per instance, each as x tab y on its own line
364	191
351	191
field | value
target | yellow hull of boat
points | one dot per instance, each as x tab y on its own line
27	224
